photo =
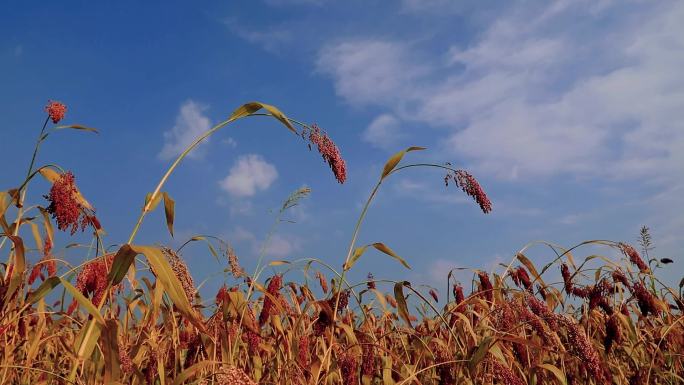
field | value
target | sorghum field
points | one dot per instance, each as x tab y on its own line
135	316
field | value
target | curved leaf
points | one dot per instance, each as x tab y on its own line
358	252
252	107
77	127
19	267
169	205
556	372
401	301
383	248
395	159
83	301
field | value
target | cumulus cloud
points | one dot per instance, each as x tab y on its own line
191	122
249	175
271	39
383	132
538	94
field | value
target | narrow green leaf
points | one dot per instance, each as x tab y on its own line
480	353
44	289
77	127
122	261
252	107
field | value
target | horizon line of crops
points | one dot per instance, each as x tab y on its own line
619	329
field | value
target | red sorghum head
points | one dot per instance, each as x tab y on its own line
328	149
646	300
65	207
55	110
93	280
580	345
486	286
504	374
613	332
349	366
470	186
273	290
322	281
303	351
634	257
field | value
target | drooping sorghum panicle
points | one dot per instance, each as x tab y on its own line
303	351
470	186
520	277
486	286
249	336
598	296
222	295
634	257
445	372
504	374
528	317
125	359
371	282
613	332
46	262
504	316
433	294
368	355
570	288
349	366
64	205
342	302
322	281
55	110
390	299
540	309
180	270
233	376
235	268
328	150
459	298
580	345
270	300
645	299
93	279
619	276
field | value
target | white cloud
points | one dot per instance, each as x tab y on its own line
250	174
191	122
369	71
278	246
538	94
383	132
271	39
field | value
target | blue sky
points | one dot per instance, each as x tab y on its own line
570	114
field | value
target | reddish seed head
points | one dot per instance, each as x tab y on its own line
433	294
486	286
613	333
470	186
93	280
55	110
328	149
273	289
322	281
646	300
634	257
65	207
303	353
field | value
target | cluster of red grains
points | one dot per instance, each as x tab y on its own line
445	372
470	186
486	286
271	299
93	280
328	149
221	295
251	337
619	276
540	309
459	298
303	351
65	207
46	262
233	376
646	300
569	286
521	278
341	303
504	374
125	359
634	257
180	270
528	317
55	110
613	332
234	264
580	345
349	366
368	355
598	296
